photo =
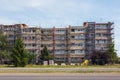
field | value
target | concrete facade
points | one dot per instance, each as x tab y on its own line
67	45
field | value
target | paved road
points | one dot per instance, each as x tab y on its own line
61	76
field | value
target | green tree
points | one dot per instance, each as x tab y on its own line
19	55
112	53
4	57
31	57
99	57
45	54
4	48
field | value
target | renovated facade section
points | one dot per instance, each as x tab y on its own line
98	36
67	45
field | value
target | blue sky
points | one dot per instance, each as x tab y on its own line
60	13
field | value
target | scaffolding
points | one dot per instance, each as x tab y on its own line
47	36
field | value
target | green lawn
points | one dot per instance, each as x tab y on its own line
11	69
66	66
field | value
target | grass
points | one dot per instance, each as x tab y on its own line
66	66
12	69
56	71
69	66
60	72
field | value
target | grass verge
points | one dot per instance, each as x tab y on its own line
66	66
55	71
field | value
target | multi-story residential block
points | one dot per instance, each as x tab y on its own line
68	45
12	32
98	36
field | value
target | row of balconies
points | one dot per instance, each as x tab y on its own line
99	44
101	31
56	48
70	55
101	38
56	33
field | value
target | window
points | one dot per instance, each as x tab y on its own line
11	36
60	45
59	38
59	31
33	30
79	36
49	45
72	51
98	34
33	45
79	30
101	26
80	44
73	37
77	44
79	51
101	41
59	52
73	30
33	37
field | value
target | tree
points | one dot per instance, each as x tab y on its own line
99	57
45	56
4	48
112	53
3	41
4	57
31	57
19	55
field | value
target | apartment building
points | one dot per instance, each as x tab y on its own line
98	36
69	45
12	32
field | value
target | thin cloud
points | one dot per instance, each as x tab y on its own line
4	20
49	13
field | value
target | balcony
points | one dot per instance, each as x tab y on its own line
101	38
77	55
47	42
76	47
29	41
59	48
77	41
101	31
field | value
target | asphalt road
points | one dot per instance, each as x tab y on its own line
60	76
